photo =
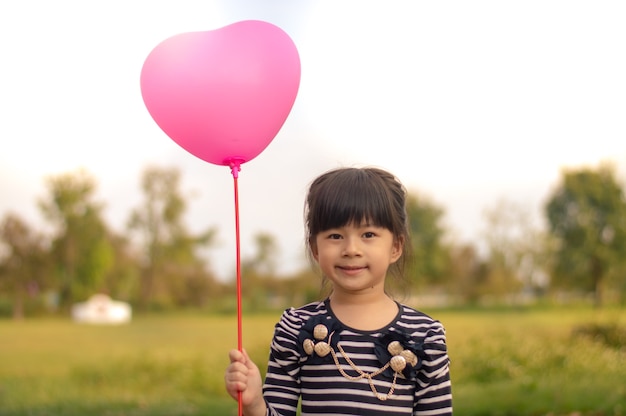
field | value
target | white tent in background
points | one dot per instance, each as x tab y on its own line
101	309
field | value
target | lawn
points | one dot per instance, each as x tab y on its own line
504	362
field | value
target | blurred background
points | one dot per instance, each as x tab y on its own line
505	121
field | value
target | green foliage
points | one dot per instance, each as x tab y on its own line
172	272
610	334
587	216
430	259
81	245
516	251
160	264
24	264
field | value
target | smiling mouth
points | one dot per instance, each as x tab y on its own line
351	269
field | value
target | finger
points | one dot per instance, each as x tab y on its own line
236	356
234	388
237	368
236	380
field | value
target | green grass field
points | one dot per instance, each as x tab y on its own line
504	362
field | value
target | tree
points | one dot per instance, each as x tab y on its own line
260	285
122	279
263	262
23	264
431	257
172	271
515	259
81	246
467	273
587	217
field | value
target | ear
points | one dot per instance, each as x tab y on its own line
396	249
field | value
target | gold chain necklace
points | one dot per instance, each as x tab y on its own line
399	360
363	374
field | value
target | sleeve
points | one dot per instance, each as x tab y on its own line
282	381
433	395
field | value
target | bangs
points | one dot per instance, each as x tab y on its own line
356	198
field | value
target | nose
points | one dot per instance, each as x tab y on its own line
351	247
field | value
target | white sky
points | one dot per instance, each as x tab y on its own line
468	102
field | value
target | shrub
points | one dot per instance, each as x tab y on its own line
611	334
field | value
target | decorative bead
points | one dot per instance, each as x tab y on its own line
409	357
398	363
322	349
319	332
309	346
395	348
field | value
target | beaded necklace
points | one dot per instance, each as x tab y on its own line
400	359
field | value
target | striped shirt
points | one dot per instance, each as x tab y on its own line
295	374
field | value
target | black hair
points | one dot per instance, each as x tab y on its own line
353	195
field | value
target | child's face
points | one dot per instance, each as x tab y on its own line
355	257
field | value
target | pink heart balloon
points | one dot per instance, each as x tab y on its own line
223	94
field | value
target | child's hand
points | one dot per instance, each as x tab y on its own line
242	375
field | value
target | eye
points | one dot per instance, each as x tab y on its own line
369	234
334	236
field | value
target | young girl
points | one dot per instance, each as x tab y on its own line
358	352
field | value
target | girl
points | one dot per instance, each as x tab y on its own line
358	352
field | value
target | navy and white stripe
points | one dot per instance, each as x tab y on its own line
324	391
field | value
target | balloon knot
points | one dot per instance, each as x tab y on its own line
235	165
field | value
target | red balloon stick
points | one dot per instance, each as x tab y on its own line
235	167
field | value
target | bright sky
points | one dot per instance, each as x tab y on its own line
468	102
